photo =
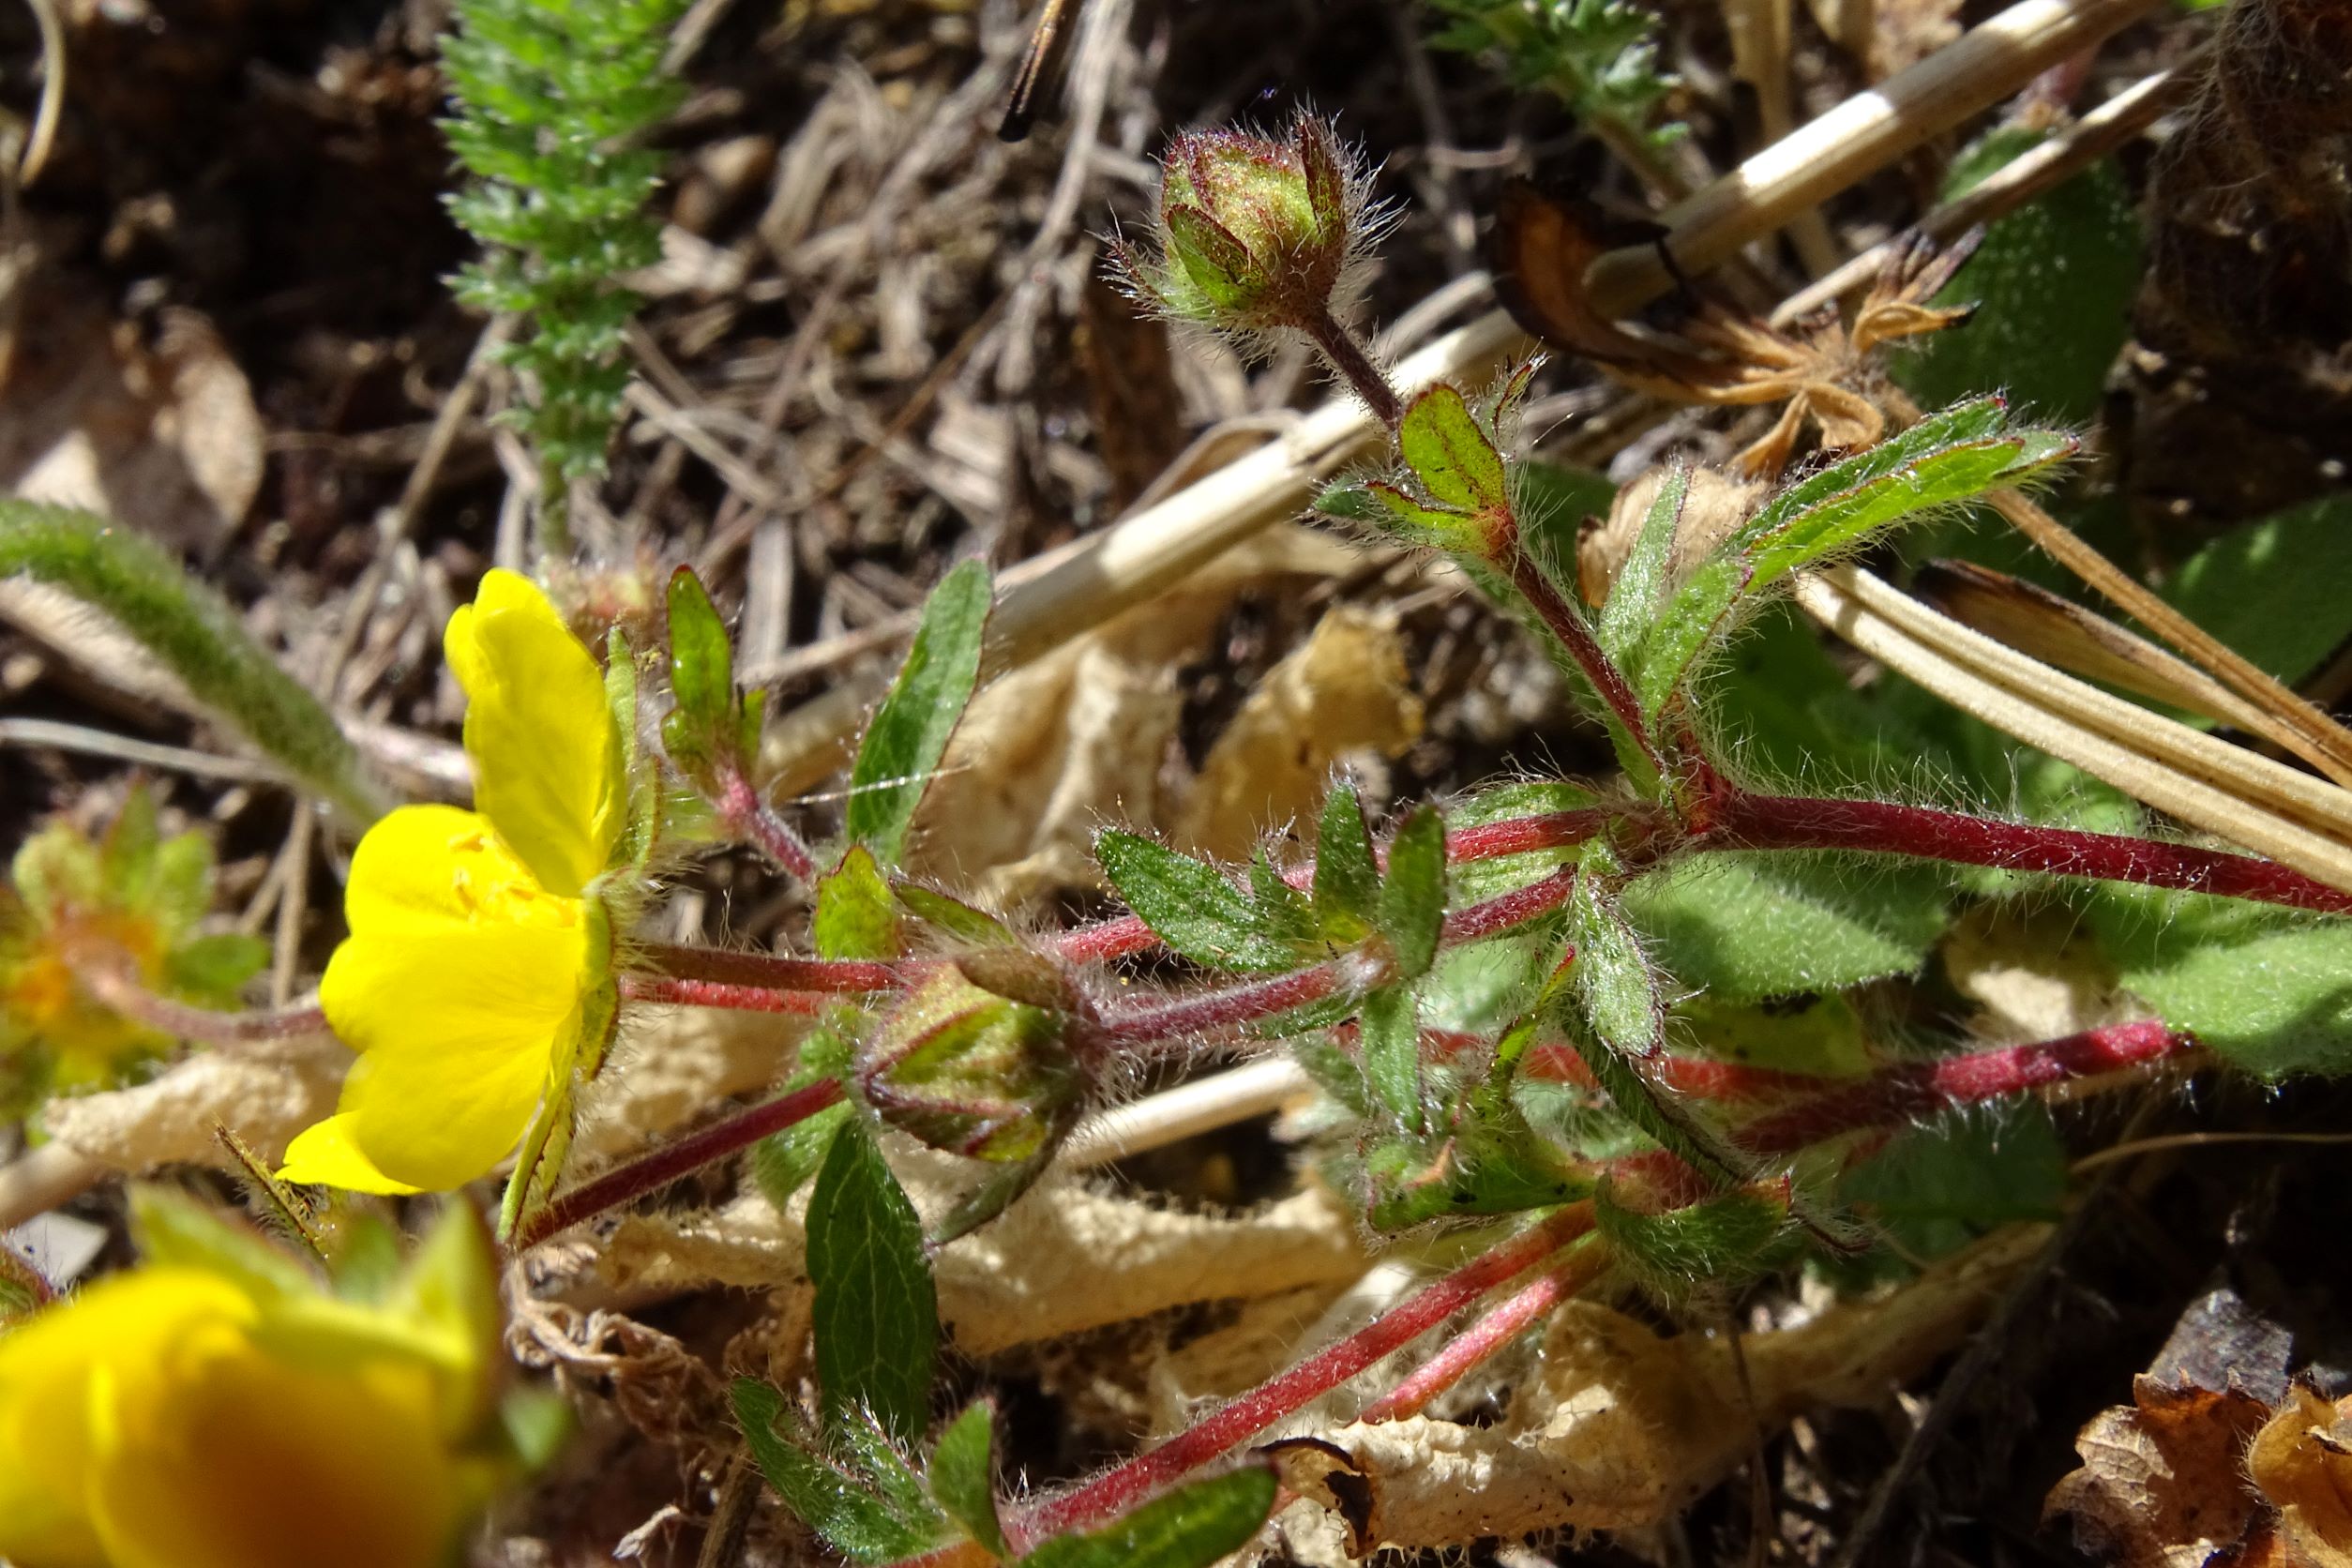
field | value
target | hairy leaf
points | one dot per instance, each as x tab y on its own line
857	915
1717	1243
2273	590
1412	899
705	724
911	730
1391	1027
1639	593
1191	1527
843	1508
1347	879
1191	906
1455	460
1936	1187
2267	991
1744	926
195	633
876	1314
963	1475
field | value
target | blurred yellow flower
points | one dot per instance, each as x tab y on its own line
479	966
195	1415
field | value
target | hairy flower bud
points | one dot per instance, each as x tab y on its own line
971	1072
1255	235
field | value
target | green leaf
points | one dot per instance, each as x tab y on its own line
1936	1187
213	969
1347	879
196	635
1744	926
1717	1243
857	915
783	1163
1946	457
2273	590
963	1475
2267	991
955	918
1191	906
1822	1036
1191	1527
876	1314
1456	461
842	1508
910	732
2052	283
1639	594
704	727
1283	908
1412	899
1390	1024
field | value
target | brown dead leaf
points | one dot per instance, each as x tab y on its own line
2159	1486
1714	505
2302	1464
1346	690
157	430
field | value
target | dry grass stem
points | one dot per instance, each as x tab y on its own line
2205	782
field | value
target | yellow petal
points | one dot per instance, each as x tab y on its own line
538	730
53	1371
222	1455
327	1156
461	986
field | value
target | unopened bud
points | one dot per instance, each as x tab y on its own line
1256	234
971	1072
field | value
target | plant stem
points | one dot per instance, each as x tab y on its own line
1356	367
710	993
1562	619
1229	1008
1912	1089
1505	909
660	1166
1792	823
1116	1491
771	971
1551	830
1485	1338
1121	936
117	990
746	816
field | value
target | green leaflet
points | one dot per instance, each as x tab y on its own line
876	1314
1412	897
910	732
865	1518
1744	926
1639	594
963	1475
1191	1527
1191	906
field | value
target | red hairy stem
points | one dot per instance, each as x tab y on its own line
1575	636
746	816
768	972
1741	821
1105	940
1116	1491
1505	909
1478	1344
1246	1002
660	1166
711	993
1355	366
1912	1089
1551	830
209	1026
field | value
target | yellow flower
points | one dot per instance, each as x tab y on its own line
187	1416
479	965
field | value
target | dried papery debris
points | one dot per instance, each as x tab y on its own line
1714	506
266	1093
1821	372
1621	1427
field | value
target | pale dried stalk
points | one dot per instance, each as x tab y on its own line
41	1179
1202	1105
2202	781
1152	550
2309	733
1863	134
2019	181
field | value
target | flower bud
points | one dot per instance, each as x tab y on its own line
1255	235
971	1072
